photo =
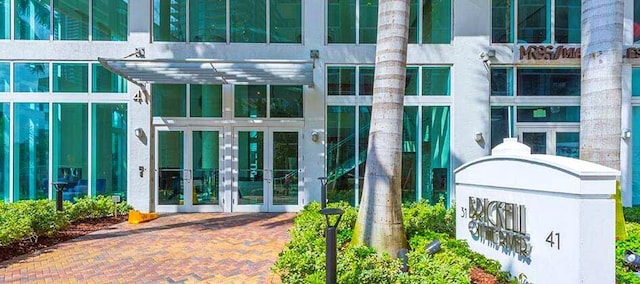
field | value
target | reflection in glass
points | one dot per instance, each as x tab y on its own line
285	168
435	81
206	100
533	25
207	21
536	140
5	19
105	81
413	21
32	19
567	21
71	19
548	114
70	148
499	125
169	20
206	169
366	77
341	16
568	144
341	153
635	147
169	100
409	153
5	119
341	81
412	81
109	138
502	21
70	77
368	21
110	20
549	82
635	81
285	18
251	167
31	77
501	81
286	101
363	143
250	101
436	21
248	21
436	139
5	77
31	151
170	168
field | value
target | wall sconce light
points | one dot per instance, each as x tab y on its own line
138	132
625	134
478	137
315	136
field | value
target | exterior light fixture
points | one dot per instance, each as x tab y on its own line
433	247
478	137
315	136
625	134
138	132
632	260
331	242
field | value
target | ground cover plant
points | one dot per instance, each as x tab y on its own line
29	225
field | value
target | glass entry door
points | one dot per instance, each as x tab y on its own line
563	141
188	170
266	176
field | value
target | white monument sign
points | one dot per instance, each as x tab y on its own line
550	219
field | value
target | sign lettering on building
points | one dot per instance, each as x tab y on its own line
548	52
633	52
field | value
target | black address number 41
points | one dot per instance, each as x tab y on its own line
554	239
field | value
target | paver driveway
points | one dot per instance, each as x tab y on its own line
176	248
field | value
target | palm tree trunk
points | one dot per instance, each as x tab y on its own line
379	223
600	111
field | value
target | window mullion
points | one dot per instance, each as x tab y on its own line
551	35
268	20
357	22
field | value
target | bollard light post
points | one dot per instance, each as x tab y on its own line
323	192
332	249
59	186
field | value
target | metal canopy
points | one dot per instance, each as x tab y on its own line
194	71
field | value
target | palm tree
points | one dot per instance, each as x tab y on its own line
379	223
600	103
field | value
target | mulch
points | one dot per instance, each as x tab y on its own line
76	229
479	276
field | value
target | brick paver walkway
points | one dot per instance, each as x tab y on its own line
177	248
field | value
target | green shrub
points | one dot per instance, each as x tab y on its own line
361	264
631	214
421	216
13	226
42	215
623	274
98	207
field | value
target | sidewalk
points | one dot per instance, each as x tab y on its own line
176	248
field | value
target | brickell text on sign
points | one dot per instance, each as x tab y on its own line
548	52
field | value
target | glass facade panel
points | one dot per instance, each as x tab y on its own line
5	76
341	16
248	21
169	100
170	167
250	101
70	148
104	81
5	19
207	21
341	153
206	100
5	120
32	20
70	77
169	20
548	114
285	18
413	21
567	23
109	138
366	81
435	81
436	139
412	81
548	82
31	151
635	167
363	144
502	21
502	81
500	125
534	21
341	81
285	168
206	167
636	28
536	140
31	77
436	21
71	19
251	167
409	153
286	101
568	144
368	21
635	81
110	20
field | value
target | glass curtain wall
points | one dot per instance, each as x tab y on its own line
31	151
207	21
535	23
205	100
5	120
70	77
286	101
31	77
250	101
285	18
70	148
169	100
105	81
341	153
5	19
635	140
71	19
341	20
436	163
110	20
109	149
206	167
436	21
5	77
248	21
368	30
31	21
169	20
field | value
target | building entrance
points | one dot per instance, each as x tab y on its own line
560	141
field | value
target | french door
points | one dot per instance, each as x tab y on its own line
265	169
559	141
188	175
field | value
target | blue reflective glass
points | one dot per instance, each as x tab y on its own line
109	139
501	81
549	82
70	77
5	120
70	148
548	114
71	19
341	153
31	77
31	151
110	20
436	145
32	20
5	19
5	79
